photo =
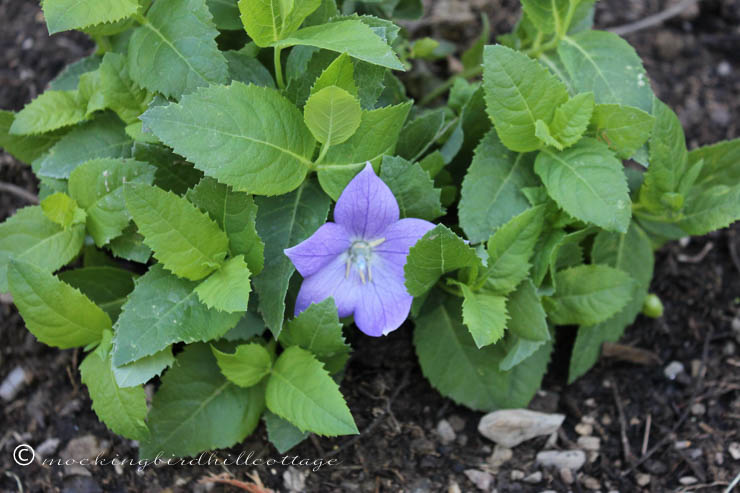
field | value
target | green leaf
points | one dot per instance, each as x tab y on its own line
164	309
186	241
491	191
436	253
63	210
470	376
376	136
281	433
56	313
547	15
268	21
317	329
197	409
332	115
235	213
418	135
228	288
721	163
669	159
265	156
69	78
130	246
543	132
588	182
173	174
283	222
49	111
350	36
339	73
710	209
97	186
123	410
248	69
510	249
519	349
246	366
225	14
623	128
603	63
25	148
301	391
107	287
120	93
519	91
63	15
527	318
588	294
587	346
632	253
32	237
143	370
105	136
484	314
413	188
571	119
174	51
472	58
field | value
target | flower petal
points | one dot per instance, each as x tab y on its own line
367	206
400	237
314	253
384	303
331	281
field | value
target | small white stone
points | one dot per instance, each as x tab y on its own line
673	369
734	450
500	456
533	478
688	480
13	383
510	427
294	479
47	447
517	475
591	483
571	459
584	429
724	69
643	479
480	479
682	445
589	443
566	475
445	432
698	409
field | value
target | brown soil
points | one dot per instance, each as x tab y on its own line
694	63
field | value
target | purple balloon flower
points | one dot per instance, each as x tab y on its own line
358	260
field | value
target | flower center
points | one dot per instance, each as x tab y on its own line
360	254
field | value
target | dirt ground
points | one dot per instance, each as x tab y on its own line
655	434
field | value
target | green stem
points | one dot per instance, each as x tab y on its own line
322	154
139	18
446	85
449	289
278	68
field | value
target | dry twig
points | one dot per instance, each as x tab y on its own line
694	393
653	20
627	451
19	192
255	487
